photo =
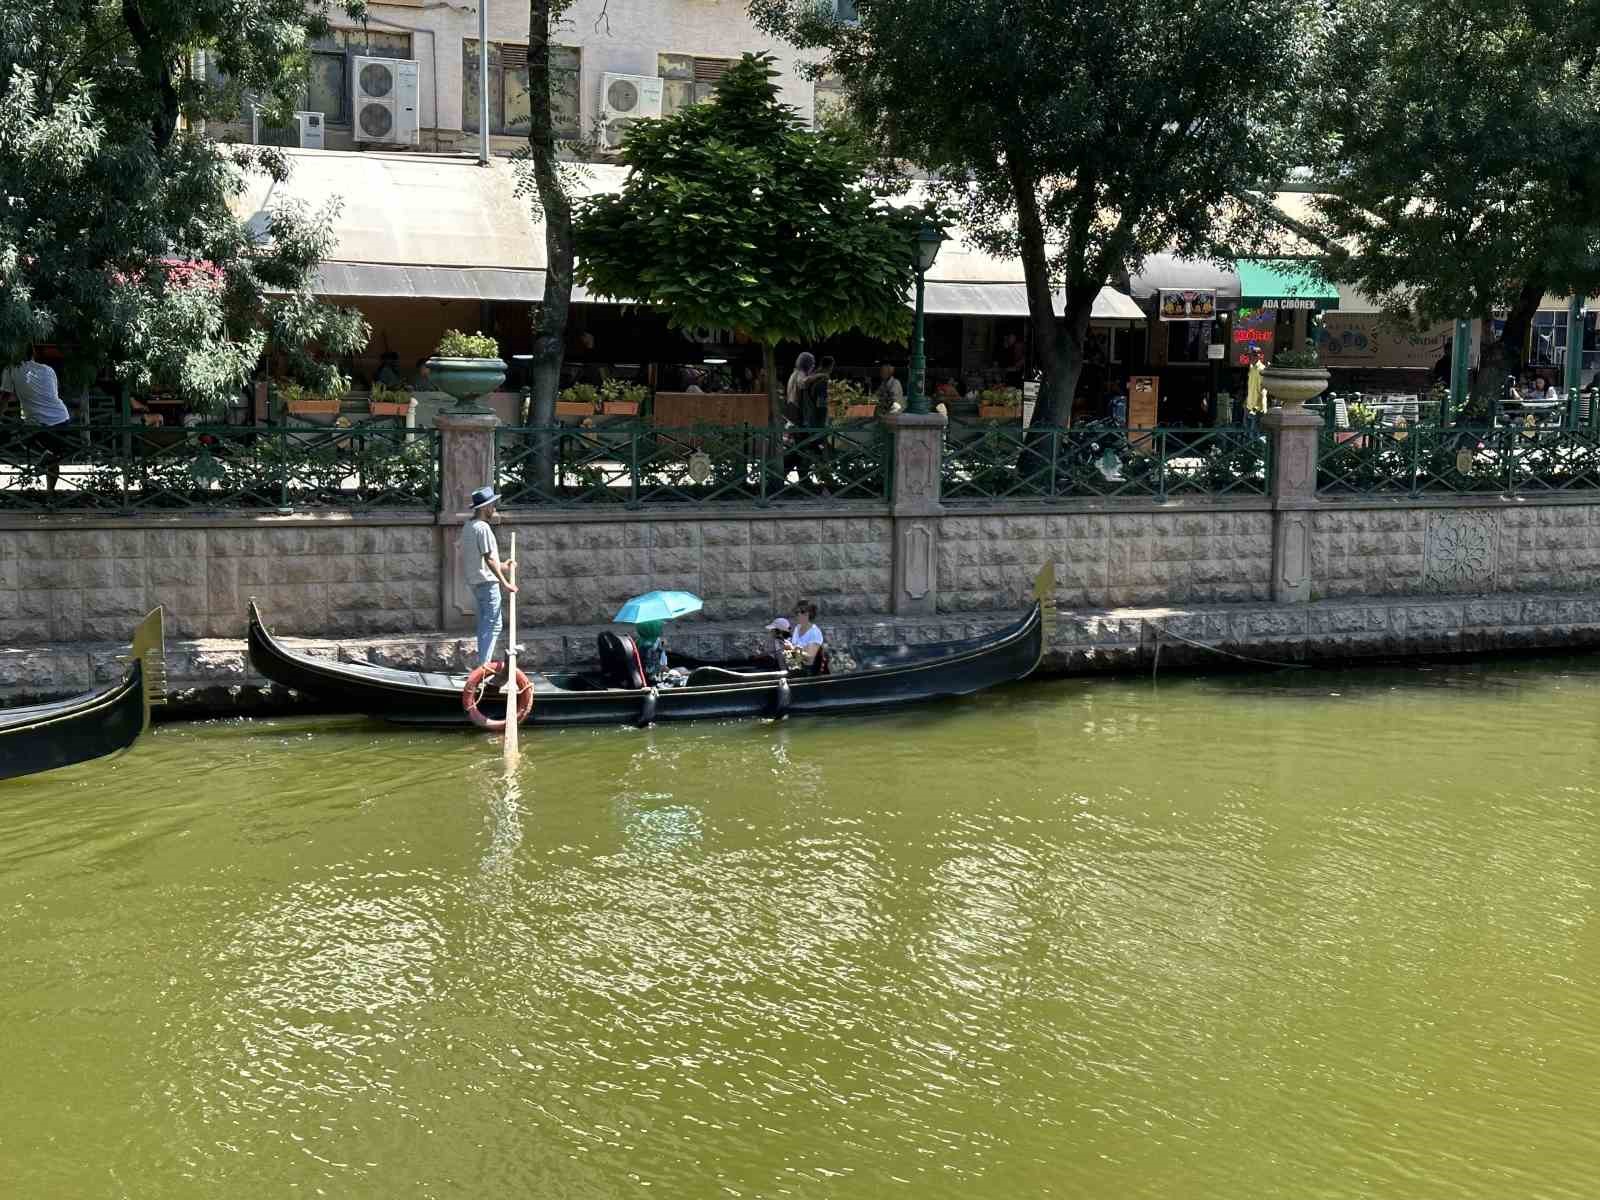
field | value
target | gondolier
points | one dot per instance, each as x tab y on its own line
485	574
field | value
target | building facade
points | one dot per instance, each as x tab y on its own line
686	44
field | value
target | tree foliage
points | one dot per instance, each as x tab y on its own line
1078	135
1459	150
735	216
117	237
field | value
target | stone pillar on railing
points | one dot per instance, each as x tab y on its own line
1294	433
917	447
466	463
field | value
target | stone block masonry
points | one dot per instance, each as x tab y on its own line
1459	546
65	580
213	676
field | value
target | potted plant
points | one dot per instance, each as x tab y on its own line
320	406
1000	404
466	366
1362	418
848	402
618	399
578	401
1295	376
389	402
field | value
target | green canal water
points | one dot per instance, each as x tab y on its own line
1299	935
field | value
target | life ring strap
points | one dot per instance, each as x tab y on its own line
478	681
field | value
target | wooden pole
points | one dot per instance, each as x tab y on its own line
513	697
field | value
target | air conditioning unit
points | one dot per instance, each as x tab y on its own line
625	99
303	131
310	130
384	101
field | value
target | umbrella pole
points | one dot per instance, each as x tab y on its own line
513	696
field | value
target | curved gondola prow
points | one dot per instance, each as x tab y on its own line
1044	598
150	652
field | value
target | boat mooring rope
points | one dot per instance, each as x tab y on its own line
1165	632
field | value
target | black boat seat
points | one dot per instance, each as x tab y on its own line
620	665
704	676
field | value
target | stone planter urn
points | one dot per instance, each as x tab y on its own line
1293	386
466	379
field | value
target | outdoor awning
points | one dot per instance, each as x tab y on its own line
1283	283
1185	274
1011	300
389	281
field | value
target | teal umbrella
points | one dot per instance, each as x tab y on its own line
657	606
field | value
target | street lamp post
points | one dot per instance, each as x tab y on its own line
929	238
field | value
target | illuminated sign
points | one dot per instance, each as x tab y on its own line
1188	304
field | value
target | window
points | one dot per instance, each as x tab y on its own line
328	84
1187	341
510	109
845	10
828	99
690	80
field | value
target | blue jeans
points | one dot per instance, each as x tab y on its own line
488	597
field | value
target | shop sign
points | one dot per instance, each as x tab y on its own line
1290	304
1188	304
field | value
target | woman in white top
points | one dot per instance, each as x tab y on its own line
806	638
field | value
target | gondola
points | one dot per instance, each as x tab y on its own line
42	737
883	677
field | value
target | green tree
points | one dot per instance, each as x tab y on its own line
542	180
735	216
1459	158
1077	135
117	231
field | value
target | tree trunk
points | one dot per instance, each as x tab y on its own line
769	364
1050	340
774	442
550	320
156	66
1504	356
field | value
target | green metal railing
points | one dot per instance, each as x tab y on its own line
1439	460
986	462
135	468
636	464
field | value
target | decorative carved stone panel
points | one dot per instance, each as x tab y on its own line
1459	552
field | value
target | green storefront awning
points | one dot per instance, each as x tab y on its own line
1284	283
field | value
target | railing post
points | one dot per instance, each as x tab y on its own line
917	453
1293	434
633	465
282	437
466	462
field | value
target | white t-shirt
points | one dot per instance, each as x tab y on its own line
811	637
477	539
35	385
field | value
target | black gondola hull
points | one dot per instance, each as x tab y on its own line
890	677
43	737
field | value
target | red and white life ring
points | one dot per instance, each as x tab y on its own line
478	681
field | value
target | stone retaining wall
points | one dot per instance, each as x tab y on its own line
64	580
1460	546
212	676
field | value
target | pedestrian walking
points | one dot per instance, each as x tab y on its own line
803	366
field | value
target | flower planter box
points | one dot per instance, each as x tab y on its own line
309	408
620	408
998	412
385	408
860	412
571	410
